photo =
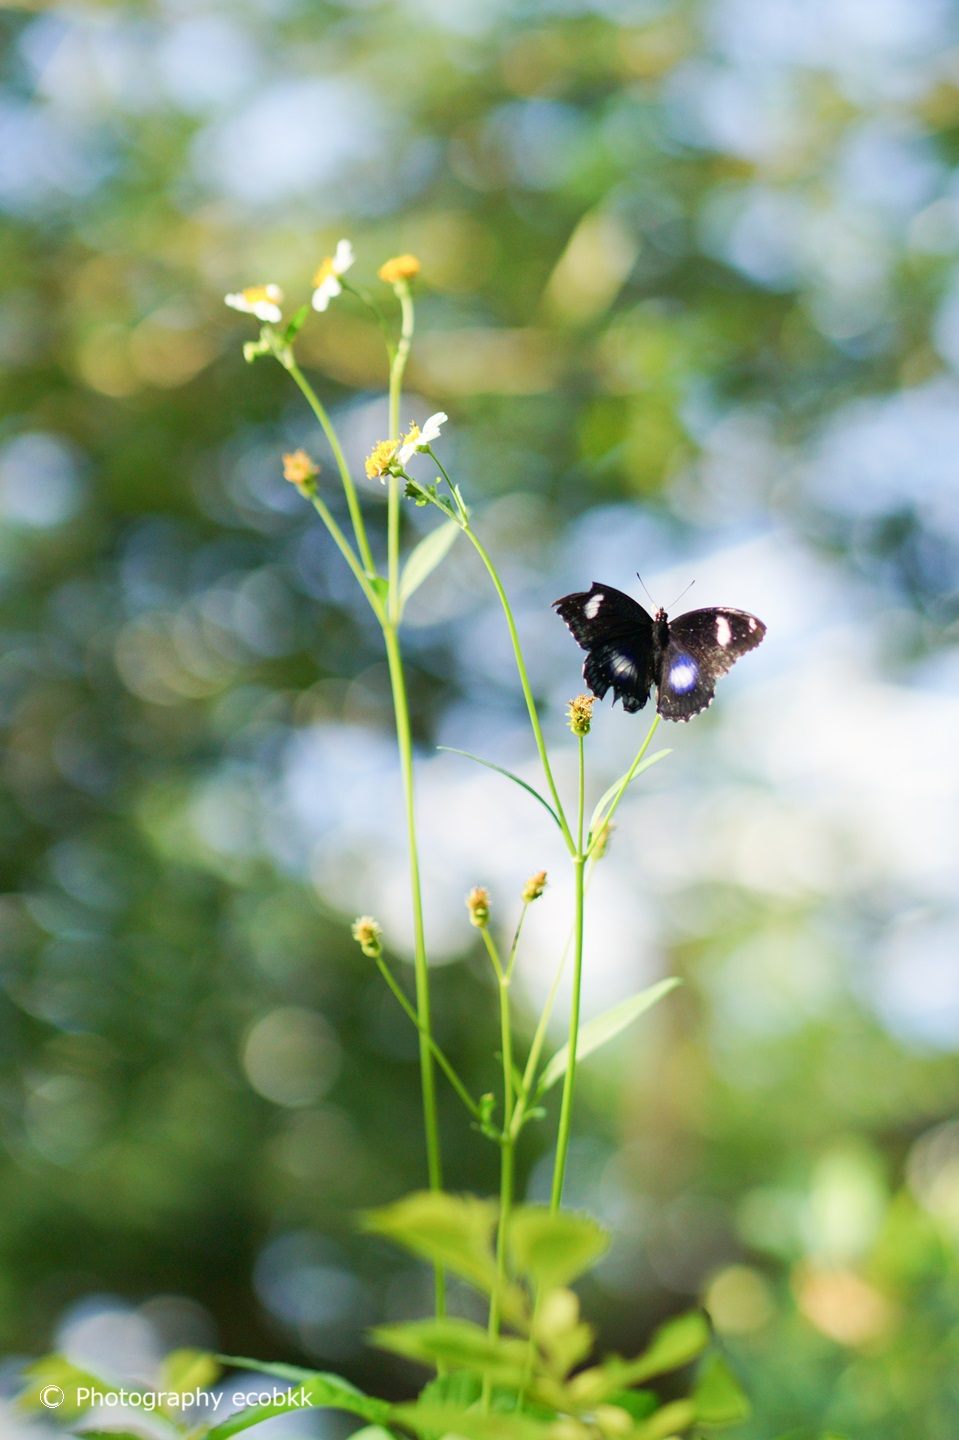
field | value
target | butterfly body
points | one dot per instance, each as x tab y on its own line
630	651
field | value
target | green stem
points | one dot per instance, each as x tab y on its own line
437	1053
349	555
507	1155
524	683
569	1080
427	1077
397	371
627	778
349	489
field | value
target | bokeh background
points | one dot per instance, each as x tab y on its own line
690	299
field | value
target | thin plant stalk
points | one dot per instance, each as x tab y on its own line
569	1079
507	1146
397	371
333	440
438	1055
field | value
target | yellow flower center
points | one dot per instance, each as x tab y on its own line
412	435
380	458
325	272
401	267
256	294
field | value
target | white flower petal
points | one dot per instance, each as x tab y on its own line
343	258
325	292
432	427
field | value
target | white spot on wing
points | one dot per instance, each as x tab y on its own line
591	608
622	665
723	632
752	622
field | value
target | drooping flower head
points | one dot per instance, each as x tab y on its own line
534	887
368	934
477	903
326	281
417	439
263	301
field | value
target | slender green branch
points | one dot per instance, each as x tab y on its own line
569	1080
397	371
524	683
428	1080
507	1156
627	778
349	489
438	1055
349	555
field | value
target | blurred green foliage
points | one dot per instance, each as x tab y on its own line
693	263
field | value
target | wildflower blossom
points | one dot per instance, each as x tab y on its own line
326	281
380	458
369	936
263	301
401	267
477	903
580	713
417	439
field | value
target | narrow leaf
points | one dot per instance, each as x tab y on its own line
490	765
668	1421
553	1248
618	786
296	324
604	1028
424	558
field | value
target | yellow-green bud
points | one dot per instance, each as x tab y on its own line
534	887
369	936
477	903
580	714
603	836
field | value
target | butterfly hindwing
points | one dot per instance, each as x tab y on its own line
618	634
703	645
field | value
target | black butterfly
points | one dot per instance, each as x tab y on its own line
629	651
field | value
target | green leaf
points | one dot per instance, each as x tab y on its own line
459	1388
604	1028
619	787
113	1434
720	1399
490	765
325	1391
424	558
457	1343
454	1231
554	1248
296	324
673	1345
638	1403
373	1432
427	1418
186	1370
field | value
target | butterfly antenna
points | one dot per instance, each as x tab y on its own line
681	594
645	587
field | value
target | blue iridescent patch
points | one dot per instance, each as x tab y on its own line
683	674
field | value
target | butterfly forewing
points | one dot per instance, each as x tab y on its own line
618	634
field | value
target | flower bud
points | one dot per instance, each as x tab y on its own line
369	936
477	903
604	834
534	887
301	470
580	714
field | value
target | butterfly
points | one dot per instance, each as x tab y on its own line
629	650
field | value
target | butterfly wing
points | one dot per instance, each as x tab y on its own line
703	645
618	634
